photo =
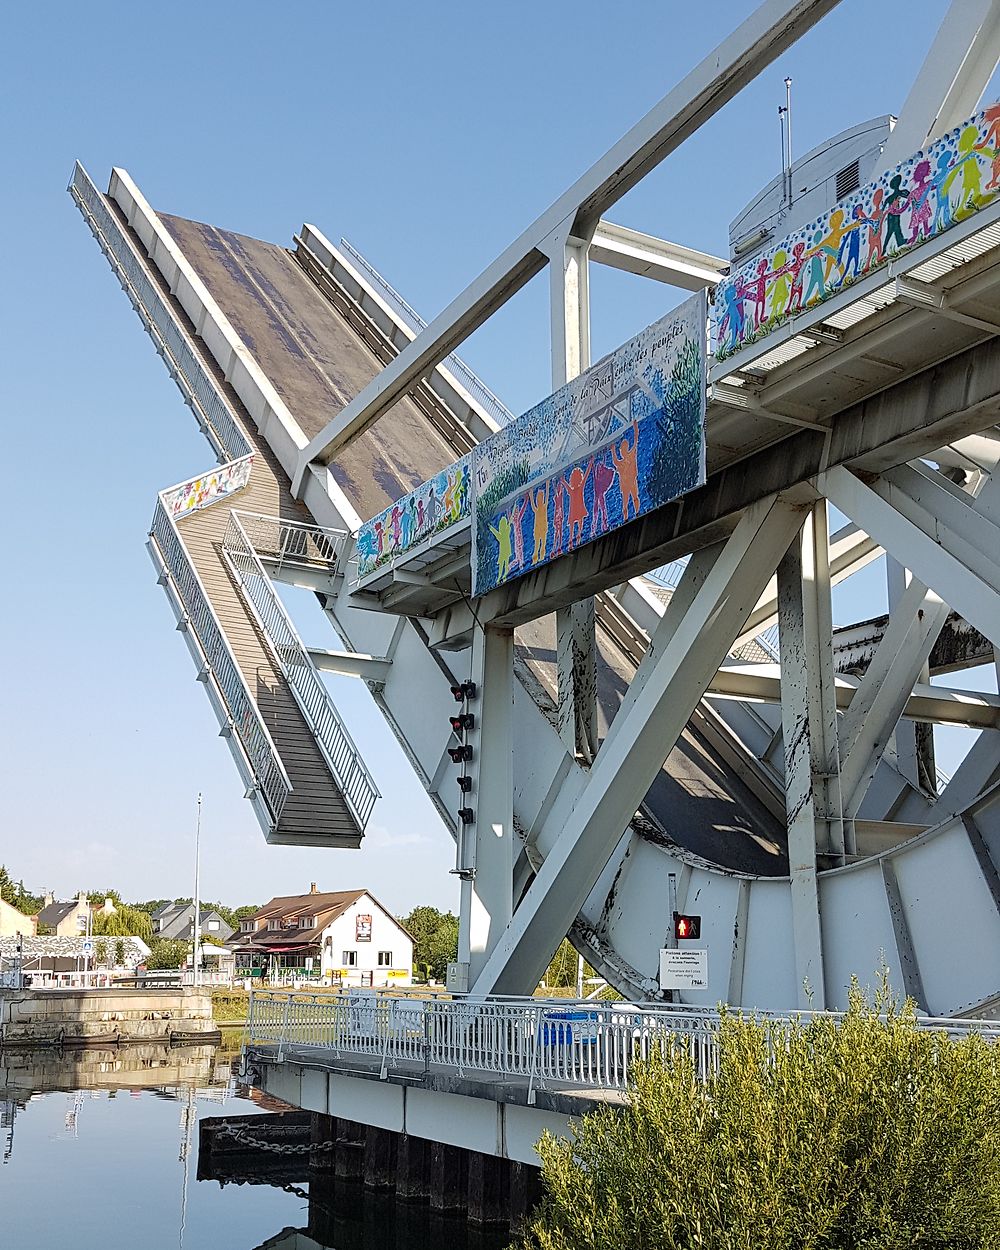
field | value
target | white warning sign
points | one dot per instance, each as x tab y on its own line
683	969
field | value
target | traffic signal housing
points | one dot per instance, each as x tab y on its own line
686	927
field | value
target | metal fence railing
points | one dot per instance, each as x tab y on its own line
199	388
344	758
295	543
477	388
222	669
542	1042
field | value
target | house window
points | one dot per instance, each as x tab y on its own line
350	959
385	959
306	922
274	924
213	924
246	926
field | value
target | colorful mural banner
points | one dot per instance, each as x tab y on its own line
433	507
923	197
622	439
203	491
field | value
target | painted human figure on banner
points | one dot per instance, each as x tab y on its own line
502	533
434	505
628	473
203	491
634	421
604	476
576	482
923	196
540	522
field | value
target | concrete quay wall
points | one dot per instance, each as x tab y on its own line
92	1017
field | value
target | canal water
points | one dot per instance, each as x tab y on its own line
99	1151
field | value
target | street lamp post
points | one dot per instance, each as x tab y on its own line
197	897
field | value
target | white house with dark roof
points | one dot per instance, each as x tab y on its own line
346	936
67	919
176	921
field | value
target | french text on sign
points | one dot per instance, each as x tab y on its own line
683	969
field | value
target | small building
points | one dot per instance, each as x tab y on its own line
59	960
176	921
13	921
64	919
346	937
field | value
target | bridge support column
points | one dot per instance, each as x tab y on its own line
673	677
809	730
489	1189
379	1158
449	1177
411	1168
576	646
486	850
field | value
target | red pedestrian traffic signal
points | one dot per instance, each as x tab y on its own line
686	926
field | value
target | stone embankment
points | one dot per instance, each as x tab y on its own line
105	1016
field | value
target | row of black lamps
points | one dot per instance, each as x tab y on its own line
461	725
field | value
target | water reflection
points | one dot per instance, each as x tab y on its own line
99	1150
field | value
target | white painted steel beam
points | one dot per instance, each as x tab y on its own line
774	26
886	688
935	705
809	700
350	663
650	257
674	678
850	550
486	851
945	557
800	661
576	640
950	84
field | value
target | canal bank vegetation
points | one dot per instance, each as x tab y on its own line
863	1133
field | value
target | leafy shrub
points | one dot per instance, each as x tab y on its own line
168	953
230	1004
862	1134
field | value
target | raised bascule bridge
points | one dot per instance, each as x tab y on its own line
633	671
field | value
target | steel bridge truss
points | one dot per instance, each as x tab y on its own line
882	402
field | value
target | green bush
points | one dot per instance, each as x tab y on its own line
230	1004
862	1134
168	953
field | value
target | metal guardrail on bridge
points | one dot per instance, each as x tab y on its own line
221	667
345	760
540	1042
198	388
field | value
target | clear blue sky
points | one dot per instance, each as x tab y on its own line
430	135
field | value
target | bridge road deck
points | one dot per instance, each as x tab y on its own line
315	813
316	362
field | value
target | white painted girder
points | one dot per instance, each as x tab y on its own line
640	738
951	81
946	545
772	27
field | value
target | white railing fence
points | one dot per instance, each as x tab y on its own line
543	1042
476	387
222	669
295	543
199	389
344	758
